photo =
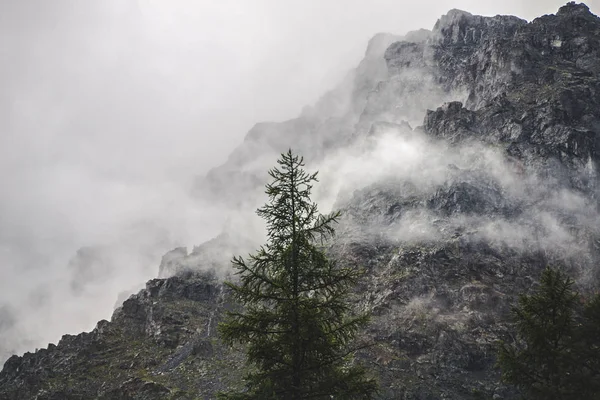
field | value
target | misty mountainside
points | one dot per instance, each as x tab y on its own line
464	159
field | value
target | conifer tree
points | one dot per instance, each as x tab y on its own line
296	323
587	348
556	353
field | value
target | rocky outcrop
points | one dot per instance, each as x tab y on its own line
506	182
212	255
172	262
159	345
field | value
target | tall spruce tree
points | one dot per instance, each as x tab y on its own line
297	324
556	354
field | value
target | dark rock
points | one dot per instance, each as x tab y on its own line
136	389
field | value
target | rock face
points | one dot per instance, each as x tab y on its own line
498	180
168	326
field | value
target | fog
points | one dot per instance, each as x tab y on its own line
109	109
524	211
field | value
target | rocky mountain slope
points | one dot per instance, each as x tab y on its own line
452	219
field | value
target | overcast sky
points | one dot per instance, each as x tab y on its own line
109	107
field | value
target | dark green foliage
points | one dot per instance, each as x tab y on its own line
589	346
556	354
297	323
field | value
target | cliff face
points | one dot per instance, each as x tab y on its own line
499	180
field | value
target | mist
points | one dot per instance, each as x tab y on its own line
526	210
109	109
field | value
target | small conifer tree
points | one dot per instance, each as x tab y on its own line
555	356
296	323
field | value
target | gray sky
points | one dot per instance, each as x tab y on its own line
108	108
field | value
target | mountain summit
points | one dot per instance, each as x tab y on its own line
464	159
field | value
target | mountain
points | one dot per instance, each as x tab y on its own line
464	159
